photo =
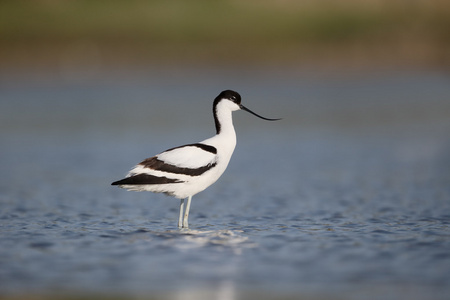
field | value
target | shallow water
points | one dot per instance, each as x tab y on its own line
332	206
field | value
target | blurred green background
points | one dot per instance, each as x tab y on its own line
48	33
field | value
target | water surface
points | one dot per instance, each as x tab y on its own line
347	198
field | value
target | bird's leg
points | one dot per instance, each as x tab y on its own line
180	219
186	213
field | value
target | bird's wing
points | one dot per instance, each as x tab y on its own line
192	160
189	156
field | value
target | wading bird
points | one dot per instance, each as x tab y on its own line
187	170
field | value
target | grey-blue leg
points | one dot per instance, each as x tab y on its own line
180	219
186	213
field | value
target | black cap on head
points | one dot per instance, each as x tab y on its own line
230	95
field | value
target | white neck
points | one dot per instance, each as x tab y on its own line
226	136
225	120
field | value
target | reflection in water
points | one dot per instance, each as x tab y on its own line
226	290
191	239
230	241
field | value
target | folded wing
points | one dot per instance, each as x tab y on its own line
172	166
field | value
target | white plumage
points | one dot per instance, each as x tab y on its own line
187	170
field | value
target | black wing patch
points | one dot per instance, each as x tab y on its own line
156	164
204	147
145	179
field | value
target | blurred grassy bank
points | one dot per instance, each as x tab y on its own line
48	33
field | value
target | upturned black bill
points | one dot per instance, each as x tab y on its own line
248	110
